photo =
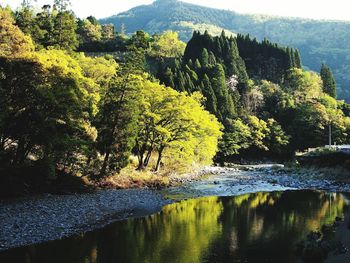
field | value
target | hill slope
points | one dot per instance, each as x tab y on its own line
318	41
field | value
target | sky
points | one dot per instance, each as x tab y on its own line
318	9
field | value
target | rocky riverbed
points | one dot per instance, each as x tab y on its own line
49	217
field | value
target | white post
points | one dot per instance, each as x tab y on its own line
330	135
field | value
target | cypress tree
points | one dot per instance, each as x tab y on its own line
197	65
181	82
297	59
169	78
226	107
189	84
204	60
211	100
329	84
211	59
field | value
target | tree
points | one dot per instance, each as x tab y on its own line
210	98
64	30
226	108
44	24
297	59
204	60
276	139
139	40
13	43
108	32
117	120
329	85
123	30
172	120
259	132
305	86
308	126
51	106
101	70
89	32
25	19
167	45
237	136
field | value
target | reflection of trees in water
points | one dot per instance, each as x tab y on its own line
211	229
267	225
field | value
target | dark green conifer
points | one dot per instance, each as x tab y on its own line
329	84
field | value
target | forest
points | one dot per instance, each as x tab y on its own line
77	97
319	41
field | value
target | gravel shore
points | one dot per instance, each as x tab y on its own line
50	217
38	219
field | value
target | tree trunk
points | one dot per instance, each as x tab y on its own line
2	143
19	151
148	157
140	166
105	163
160	155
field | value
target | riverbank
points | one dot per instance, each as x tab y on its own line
27	221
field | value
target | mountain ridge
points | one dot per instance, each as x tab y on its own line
319	41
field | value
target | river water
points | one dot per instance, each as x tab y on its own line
253	227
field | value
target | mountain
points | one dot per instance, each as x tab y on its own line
319	41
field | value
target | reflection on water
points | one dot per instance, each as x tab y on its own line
260	227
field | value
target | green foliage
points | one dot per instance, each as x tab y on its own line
47	103
82	114
318	41
63	33
267	60
175	124
13	42
329	85
167	45
237	136
116	122
88	31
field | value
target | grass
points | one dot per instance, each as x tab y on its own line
29	180
170	175
321	151
130	178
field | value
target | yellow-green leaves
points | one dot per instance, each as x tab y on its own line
167	45
13	42
176	126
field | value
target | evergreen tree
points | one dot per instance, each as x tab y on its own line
45	24
225	104
197	65
329	84
169	78
297	59
211	59
204	59
116	122
25	19
211	101
63	35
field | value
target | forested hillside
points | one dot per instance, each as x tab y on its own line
79	98
268	105
63	112
318	41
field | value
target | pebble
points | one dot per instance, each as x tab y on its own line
34	220
27	221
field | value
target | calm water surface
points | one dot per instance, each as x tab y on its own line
260	227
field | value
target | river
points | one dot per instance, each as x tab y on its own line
255	227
